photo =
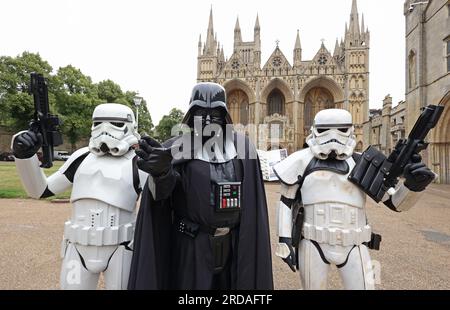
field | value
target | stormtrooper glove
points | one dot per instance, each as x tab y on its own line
26	144
287	253
417	176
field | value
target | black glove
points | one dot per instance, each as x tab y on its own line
291	260
26	144
417	176
154	158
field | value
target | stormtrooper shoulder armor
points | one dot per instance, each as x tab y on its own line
74	160
292	169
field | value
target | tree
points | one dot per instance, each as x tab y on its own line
164	129
72	95
109	91
76	98
17	108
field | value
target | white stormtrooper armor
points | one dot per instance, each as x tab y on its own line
105	187
335	229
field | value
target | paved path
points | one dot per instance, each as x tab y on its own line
415	252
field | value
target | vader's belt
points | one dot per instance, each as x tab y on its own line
191	229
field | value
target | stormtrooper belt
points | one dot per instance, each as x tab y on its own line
337	236
98	236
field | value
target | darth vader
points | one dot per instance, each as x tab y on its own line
203	221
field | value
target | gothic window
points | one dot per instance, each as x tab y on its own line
243	113
235	64
276	102
276	61
238	106
412	69
359	147
316	99
323	60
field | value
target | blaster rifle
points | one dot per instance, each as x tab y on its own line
375	173
43	122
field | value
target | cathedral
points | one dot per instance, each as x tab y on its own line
285	94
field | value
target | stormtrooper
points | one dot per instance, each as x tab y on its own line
321	215
106	184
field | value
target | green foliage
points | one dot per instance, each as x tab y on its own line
72	95
76	98
109	91
164	129
16	105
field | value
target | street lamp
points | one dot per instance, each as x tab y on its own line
137	102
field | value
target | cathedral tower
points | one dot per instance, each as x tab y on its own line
279	93
356	46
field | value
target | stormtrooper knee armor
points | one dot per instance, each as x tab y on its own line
105	185
321	216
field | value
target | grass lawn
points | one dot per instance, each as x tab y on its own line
10	185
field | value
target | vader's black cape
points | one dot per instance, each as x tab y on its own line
154	263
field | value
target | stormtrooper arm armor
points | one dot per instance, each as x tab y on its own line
284	210
284	219
400	198
37	185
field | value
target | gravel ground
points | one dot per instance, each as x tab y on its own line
415	252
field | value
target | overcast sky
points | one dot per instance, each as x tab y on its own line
139	44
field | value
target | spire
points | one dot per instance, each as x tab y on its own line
257	22
199	45
297	41
257	34
362	23
354	7
210	40
354	19
210	24
237	32
297	50
337	49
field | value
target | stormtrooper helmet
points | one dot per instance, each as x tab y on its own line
114	130
332	135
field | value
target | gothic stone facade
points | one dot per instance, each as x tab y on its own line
287	94
385	126
427	35
428	74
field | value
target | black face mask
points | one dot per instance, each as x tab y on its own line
210	116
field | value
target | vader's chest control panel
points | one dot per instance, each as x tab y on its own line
228	196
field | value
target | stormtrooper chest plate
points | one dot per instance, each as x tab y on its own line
107	178
325	186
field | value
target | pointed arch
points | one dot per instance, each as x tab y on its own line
327	83
234	84
282	86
